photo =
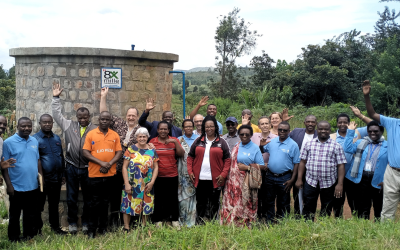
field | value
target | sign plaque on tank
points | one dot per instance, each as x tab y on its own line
111	78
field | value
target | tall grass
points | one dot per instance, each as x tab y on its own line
325	233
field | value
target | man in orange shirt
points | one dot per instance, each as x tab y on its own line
103	149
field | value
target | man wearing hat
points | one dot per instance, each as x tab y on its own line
231	137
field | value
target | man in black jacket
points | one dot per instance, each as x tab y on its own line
167	116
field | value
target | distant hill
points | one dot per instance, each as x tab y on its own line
198	69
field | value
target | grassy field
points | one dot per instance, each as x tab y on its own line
325	233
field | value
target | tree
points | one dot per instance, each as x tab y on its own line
233	39
263	69
7	95
3	73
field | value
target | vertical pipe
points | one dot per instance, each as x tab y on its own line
183	88
184	95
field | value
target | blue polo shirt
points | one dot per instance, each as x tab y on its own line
249	154
282	155
340	139
24	176
392	126
189	140
220	128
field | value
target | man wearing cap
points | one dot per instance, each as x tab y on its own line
246	120
231	137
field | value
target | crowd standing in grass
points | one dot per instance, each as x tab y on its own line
154	171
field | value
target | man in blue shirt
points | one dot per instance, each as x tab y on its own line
343	121
188	135
52	160
281	173
391	180
22	180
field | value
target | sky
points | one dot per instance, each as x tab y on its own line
186	28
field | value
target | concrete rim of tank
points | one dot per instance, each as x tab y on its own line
83	51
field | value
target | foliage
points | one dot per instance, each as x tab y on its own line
233	39
263	69
263	102
7	95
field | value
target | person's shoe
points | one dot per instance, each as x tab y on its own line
58	231
91	235
101	231
85	229
159	224
73	229
126	230
176	225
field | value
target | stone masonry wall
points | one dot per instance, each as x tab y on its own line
81	84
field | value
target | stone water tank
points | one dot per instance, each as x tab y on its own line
77	70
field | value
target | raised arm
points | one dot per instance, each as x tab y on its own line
143	118
56	108
103	99
366	91
201	103
358	114
349	146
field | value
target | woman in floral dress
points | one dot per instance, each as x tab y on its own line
140	171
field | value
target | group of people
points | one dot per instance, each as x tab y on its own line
158	171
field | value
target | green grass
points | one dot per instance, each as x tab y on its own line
326	233
3	210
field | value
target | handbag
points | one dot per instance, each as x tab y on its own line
254	176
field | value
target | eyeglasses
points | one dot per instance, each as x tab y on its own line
244	135
283	130
46	123
230	124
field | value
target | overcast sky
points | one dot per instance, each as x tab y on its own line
185	28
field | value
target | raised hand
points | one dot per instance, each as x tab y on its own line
150	104
356	111
188	117
203	101
285	115
366	87
245	119
57	90
104	92
352	125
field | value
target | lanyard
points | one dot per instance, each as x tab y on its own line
372	150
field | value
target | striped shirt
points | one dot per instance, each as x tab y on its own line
322	160
167	164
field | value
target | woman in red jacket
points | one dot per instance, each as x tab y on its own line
208	164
